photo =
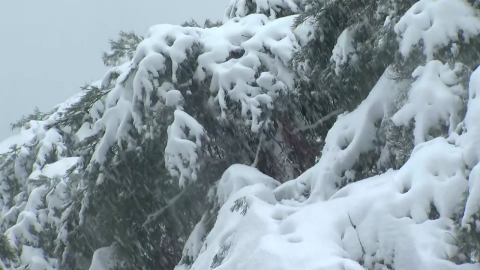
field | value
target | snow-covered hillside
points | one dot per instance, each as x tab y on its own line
197	120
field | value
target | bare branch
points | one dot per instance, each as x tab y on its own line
320	121
259	148
171	202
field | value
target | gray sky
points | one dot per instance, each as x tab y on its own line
49	49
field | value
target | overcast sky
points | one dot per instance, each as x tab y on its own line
49	49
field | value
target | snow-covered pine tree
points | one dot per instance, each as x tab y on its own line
182	83
427	51
33	189
230	141
8	255
184	104
356	42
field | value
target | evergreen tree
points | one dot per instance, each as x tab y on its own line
131	208
7	253
142	151
33	191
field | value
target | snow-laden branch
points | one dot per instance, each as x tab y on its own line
180	152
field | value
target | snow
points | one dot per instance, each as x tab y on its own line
62	107
29	133
103	259
238	176
39	168
397	220
437	24
469	142
400	219
381	220
56	169
327	218
351	135
17	140
194	243
435	97
181	152
343	50
38	211
35	259
84	131
231	55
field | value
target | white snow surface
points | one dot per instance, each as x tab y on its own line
24	136
103	259
56	169
435	97
343	52
436	23
470	143
180	152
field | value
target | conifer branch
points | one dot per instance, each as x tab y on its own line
320	121
171	202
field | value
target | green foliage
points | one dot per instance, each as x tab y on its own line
220	256
273	10
326	84
37	115
122	49
242	204
191	23
79	112
135	186
207	24
467	237
326	87
7	252
10	186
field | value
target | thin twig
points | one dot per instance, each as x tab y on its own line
358	236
